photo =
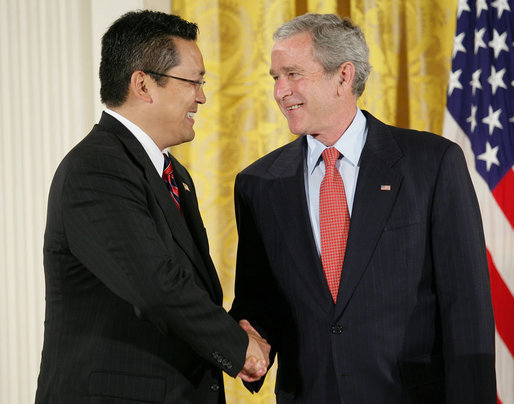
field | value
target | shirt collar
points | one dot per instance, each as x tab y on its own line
146	141
350	144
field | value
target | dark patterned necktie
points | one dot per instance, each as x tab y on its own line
169	179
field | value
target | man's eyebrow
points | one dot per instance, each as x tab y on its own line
287	69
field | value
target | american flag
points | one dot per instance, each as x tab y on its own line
479	116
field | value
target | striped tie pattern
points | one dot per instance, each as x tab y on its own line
334	221
169	179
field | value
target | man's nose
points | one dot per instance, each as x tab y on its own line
200	96
282	88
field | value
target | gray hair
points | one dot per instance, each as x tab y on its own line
335	42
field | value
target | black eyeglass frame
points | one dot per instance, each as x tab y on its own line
198	83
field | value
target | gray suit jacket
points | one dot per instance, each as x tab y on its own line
133	301
413	322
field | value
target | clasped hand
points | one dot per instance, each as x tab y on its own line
257	355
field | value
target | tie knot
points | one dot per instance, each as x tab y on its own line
330	156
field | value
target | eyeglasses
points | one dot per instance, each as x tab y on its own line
199	84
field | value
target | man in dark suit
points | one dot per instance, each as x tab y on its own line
361	256
133	302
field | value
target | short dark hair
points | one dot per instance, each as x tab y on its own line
139	40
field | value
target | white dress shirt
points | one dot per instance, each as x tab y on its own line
146	141
350	145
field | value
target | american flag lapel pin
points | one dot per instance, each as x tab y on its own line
186	187
385	187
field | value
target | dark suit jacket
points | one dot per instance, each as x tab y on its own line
133	301
413	321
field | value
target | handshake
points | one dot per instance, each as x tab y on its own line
257	354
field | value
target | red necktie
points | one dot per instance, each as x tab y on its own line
334	221
169	179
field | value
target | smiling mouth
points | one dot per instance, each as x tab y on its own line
292	107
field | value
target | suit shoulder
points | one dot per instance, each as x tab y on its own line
427	150
96	141
262	165
408	138
99	149
411	138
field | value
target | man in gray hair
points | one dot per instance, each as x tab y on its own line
361	254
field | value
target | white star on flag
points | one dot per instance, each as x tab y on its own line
493	120
454	81
489	156
479	40
499	43
501	6
496	79
457	44
481	6
473	118
463	6
475	81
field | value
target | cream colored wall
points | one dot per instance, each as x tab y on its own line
49	99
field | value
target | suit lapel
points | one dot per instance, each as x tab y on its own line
189	205
371	207
179	227
176	222
291	213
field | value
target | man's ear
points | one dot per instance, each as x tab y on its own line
141	85
345	75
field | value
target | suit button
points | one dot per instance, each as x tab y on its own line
337	329
215	387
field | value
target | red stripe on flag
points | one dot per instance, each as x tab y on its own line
498	401
504	195
503	306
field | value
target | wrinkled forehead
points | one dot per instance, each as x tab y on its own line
301	42
293	53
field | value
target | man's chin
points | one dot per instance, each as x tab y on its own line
296	129
189	137
184	139
298	132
